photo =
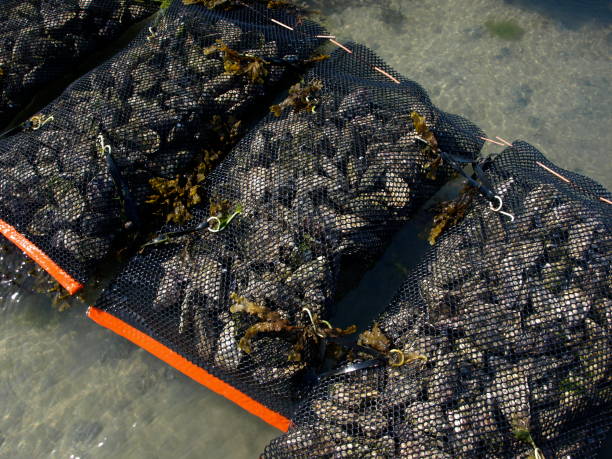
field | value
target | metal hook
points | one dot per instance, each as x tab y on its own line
307	311
104	148
418	137
314	325
39	121
498	208
151	34
220	226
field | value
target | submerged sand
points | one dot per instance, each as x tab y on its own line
69	388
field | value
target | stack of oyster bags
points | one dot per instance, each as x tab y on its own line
238	298
114	153
497	345
42	40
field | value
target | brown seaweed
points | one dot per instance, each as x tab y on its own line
431	147
173	198
301	97
235	63
450	213
374	339
272	322
230	4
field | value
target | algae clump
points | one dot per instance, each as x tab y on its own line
506	30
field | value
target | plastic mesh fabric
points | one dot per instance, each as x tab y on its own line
41	40
155	106
506	329
321	191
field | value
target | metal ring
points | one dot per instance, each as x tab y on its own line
402	358
210	228
39	121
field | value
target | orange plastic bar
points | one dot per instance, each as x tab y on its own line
186	367
40	257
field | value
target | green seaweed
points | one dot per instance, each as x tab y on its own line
522	432
211	4
507	30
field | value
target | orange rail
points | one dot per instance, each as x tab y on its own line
185	366
40	257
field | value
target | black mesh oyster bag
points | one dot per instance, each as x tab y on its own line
41	40
238	298
133	138
497	345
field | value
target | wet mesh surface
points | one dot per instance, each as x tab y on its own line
41	40
320	192
505	328
157	106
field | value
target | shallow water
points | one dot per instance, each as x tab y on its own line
69	388
550	87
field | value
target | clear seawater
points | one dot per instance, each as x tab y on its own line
69	388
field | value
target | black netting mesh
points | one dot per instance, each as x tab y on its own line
319	190
505	329
41	40
161	107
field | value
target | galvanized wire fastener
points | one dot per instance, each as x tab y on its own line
152	34
498	208
40	120
537	453
397	357
104	147
215	224
314	325
396	361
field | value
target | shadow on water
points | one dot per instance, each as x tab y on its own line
570	13
606	451
365	302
